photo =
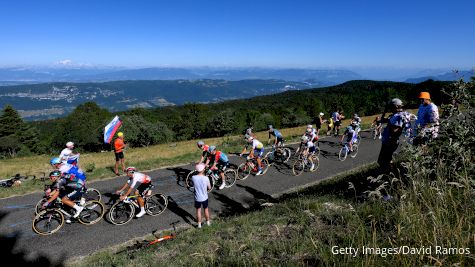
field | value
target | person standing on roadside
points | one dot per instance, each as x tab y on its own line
396	123
428	115
68	156
119	152
319	122
201	185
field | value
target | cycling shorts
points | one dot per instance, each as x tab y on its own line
312	149
143	188
72	193
258	153
221	165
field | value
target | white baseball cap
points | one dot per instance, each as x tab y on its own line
200	167
69	144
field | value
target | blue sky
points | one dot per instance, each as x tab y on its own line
331	33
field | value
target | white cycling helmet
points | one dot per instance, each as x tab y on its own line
200	143
309	126
69	144
212	148
304	138
130	169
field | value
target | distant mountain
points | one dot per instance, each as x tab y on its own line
448	76
50	100
321	77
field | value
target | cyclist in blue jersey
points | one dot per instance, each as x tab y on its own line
218	161
279	139
350	134
68	169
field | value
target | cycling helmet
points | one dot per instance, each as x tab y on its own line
304	138
54	161
55	174
212	148
200	143
269	126
130	169
69	144
309	126
353	123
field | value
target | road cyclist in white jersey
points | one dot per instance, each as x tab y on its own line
257	152
308	150
139	182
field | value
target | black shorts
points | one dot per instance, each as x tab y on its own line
119	155
143	188
71	193
222	165
198	204
337	123
280	140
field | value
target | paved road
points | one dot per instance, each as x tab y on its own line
79	240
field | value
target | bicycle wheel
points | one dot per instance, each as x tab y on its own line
230	177
265	165
270	156
92	212
286	154
375	134
156	204
92	194
47	222
317	149
343	153
188	181
355	151
121	213
298	167
39	205
243	171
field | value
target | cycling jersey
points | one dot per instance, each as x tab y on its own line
312	136
311	146
357	119
256	144
68	182
275	133
137	179
205	151
220	156
69	169
65	154
350	134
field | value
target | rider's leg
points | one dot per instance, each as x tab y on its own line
141	202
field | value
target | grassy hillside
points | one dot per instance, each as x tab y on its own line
420	214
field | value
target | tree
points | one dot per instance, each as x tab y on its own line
10	121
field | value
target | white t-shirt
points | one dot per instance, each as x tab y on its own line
64	156
201	183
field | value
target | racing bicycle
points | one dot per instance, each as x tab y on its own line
230	176
250	166
345	149
123	211
88	195
302	163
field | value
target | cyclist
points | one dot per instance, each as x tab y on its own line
68	169
205	148
68	156
309	150
428	115
319	122
357	119
279	139
141	183
311	134
248	132
257	151
396	122
68	188
219	162
378	124
350	134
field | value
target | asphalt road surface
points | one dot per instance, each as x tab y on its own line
75	240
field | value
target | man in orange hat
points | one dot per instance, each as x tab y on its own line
428	115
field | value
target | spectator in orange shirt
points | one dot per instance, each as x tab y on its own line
119	152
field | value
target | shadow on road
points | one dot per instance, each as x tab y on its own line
175	208
20	258
181	174
230	206
258	195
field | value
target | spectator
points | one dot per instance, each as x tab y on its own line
428	115
319	123
119	152
329	125
68	156
396	123
201	185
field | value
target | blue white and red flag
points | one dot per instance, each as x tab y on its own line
111	129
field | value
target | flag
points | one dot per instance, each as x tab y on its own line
111	129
